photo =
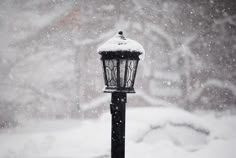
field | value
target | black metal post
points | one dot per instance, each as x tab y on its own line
118	100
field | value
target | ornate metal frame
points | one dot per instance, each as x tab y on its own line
112	73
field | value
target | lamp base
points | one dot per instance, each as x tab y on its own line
120	90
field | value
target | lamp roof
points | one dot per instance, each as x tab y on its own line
120	43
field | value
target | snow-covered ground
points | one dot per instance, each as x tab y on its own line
151	132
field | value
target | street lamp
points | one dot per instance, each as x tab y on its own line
120	57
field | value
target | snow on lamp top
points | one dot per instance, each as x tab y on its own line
120	43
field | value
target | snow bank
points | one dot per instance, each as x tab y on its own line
165	123
120	43
144	138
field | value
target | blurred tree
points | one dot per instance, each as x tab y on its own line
49	66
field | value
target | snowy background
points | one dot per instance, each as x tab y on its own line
51	80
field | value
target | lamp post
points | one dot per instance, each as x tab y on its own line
120	57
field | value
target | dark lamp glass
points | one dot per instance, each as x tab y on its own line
119	69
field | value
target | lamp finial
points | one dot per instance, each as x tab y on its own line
120	32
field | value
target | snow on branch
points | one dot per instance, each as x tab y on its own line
95	103
154	101
215	83
86	41
36	91
151	27
229	19
100	101
185	48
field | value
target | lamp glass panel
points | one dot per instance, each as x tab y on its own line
122	72
131	69
111	72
